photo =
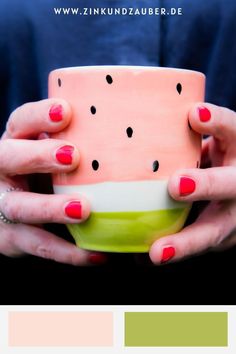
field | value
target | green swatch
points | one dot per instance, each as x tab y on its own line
176	329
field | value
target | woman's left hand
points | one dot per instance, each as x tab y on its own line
216	225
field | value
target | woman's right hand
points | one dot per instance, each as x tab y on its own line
21	154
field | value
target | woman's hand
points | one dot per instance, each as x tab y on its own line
216	225
20	157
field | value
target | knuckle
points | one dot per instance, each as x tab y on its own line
209	183
35	159
225	121
190	247
227	224
226	113
221	119
7	244
11	210
11	127
48	211
5	149
218	234
45	250
75	259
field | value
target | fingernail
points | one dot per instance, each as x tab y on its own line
167	254
97	258
74	210
186	186
56	113
204	114
64	154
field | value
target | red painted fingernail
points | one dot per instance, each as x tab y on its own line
97	258
56	113
64	154
74	210
167	254
186	186
204	114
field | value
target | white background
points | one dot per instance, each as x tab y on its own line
118	347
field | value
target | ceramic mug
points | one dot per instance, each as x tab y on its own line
130	125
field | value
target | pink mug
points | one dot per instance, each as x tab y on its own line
130	124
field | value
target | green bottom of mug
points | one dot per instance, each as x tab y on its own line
127	231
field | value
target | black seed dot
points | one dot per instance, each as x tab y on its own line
197	164
59	82
109	79
189	125
95	165
129	132
155	166
93	109
179	88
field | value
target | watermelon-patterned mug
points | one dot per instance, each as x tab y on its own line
130	125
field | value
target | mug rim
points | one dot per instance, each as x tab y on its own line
129	67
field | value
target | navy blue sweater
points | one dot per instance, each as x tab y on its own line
34	40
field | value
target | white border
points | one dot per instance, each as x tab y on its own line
118	347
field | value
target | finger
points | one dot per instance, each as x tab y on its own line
220	122
213	225
216	183
38	242
5	135
43	135
32	156
205	145
227	243
50	115
26	207
205	155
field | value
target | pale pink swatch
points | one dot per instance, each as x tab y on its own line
60	329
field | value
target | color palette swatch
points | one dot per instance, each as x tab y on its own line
118	329
176	329
60	329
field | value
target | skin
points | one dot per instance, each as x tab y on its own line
21	154
215	228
